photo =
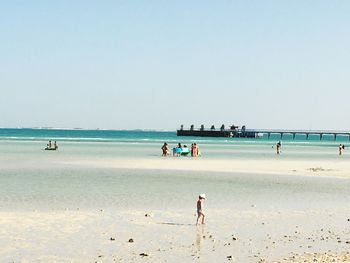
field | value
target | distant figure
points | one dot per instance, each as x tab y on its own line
195	150
165	149
341	149
177	150
51	146
198	153
200	205
278	147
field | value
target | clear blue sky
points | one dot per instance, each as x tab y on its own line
158	64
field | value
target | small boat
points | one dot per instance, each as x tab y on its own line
51	149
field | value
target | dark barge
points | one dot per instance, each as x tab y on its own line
236	132
232	132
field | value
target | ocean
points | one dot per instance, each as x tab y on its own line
32	178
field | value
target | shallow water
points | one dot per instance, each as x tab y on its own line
31	178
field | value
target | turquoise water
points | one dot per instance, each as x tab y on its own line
144	136
32	178
110	143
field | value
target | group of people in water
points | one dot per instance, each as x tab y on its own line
51	146
180	150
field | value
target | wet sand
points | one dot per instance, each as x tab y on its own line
339	168
249	232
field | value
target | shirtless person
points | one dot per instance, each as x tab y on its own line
200	213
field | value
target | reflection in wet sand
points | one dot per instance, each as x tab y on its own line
199	237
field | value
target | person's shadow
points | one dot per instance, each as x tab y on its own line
174	224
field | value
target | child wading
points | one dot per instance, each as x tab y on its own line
200	213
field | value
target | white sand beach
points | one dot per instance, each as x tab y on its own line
130	236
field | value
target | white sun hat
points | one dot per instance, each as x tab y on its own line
202	196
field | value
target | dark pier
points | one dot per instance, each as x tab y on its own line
236	132
307	134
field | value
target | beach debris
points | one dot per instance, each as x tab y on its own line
131	240
316	169
143	254
319	169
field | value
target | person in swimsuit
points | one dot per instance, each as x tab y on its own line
165	149
278	147
341	147
200	214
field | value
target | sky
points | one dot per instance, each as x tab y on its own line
159	64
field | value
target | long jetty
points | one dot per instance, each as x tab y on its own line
236	132
307	134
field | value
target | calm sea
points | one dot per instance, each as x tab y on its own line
143	136
32	178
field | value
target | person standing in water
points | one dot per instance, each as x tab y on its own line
341	149
278	147
200	205
165	149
